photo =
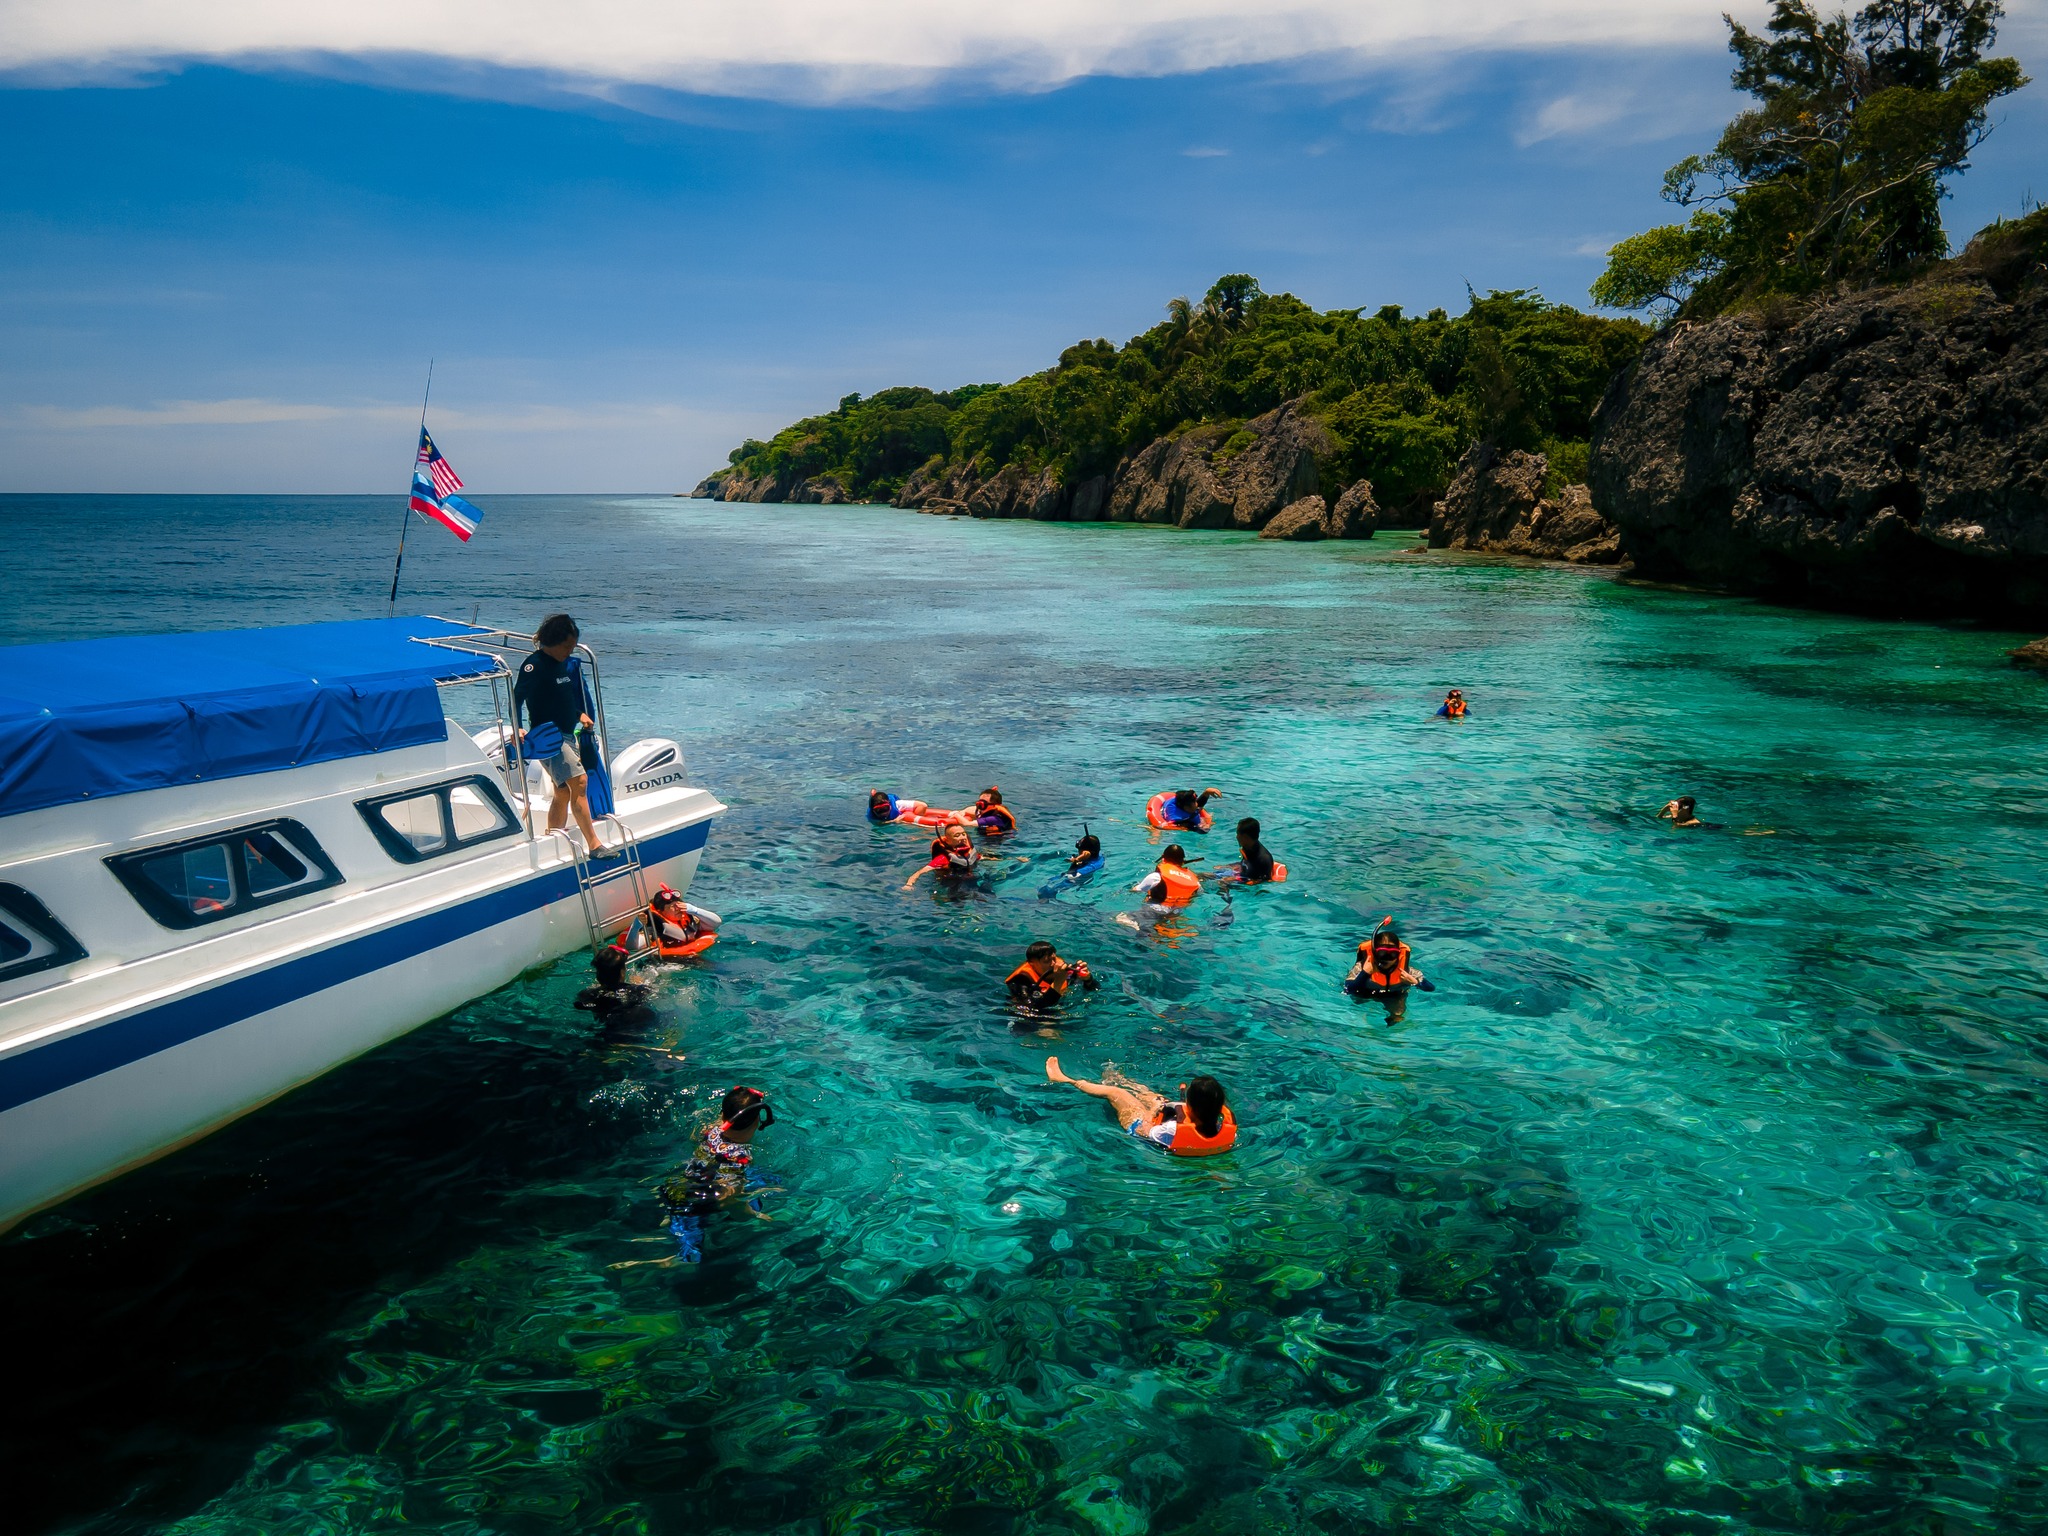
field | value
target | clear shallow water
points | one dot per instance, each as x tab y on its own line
1705	1194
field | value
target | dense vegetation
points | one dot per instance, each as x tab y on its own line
1837	174
1402	397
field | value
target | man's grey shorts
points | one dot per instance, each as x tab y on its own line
565	764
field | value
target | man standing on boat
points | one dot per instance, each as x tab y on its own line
551	694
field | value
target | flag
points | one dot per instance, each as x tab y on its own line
449	510
446	481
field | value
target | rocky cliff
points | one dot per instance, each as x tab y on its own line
1209	477
1885	450
1496	503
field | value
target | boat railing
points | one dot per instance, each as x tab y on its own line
507	647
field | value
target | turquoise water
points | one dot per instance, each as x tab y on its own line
1708	1192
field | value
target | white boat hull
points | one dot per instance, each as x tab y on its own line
126	1065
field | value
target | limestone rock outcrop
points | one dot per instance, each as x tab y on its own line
1209	477
1886	450
1353	517
1495	503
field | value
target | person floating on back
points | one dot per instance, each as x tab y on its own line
1453	706
1171	883
900	810
719	1173
1383	971
550	694
1043	979
954	861
1681	812
1182	809
1255	865
1200	1124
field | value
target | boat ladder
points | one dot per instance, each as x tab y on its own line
596	879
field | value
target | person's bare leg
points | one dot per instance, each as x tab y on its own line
1127	1105
579	801
558	809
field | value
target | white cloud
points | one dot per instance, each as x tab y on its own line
252	412
1581	113
815	50
1205	152
191	413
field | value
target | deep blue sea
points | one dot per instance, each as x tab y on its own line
1707	1193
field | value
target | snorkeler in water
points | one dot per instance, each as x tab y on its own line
618	1003
990	816
1084	866
900	810
954	859
1453	706
1171	883
1184	810
720	1173
1198	1124
1043	979
1382	970
1255	864
1681	812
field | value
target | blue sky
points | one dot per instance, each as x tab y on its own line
229	273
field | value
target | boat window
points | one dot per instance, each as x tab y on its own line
30	938
208	878
417	819
421	823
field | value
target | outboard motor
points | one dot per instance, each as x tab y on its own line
656	763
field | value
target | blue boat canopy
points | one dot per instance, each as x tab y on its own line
82	719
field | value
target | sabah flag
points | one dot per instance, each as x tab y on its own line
449	510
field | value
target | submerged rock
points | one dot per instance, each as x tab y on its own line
1887	449
1496	503
2032	654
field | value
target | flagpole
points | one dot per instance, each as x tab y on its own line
405	526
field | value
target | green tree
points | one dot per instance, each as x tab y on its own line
1837	174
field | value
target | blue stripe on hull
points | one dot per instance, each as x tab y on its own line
34	1073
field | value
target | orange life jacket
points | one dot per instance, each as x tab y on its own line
1057	980
1004	821
1454	708
1177	885
1190	1142
676	949
1382	975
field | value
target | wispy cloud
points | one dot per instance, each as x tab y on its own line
811	50
1583	112
1205	152
253	412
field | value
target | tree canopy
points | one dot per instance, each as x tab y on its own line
1837	174
1402	397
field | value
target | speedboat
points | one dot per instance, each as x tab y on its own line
232	861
